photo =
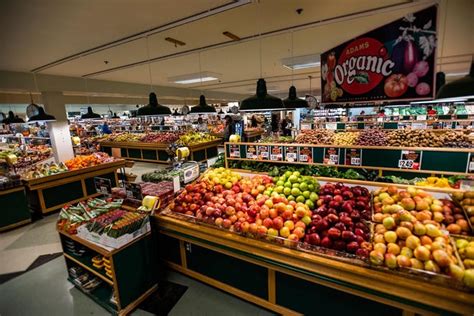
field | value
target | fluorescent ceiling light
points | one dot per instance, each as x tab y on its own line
445	100
457	74
195	78
301	62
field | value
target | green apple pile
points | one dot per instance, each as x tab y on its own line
466	252
296	187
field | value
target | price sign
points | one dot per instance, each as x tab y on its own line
332	126
418	125
234	151
211	162
176	184
305	154
305	126
133	190
331	156
103	185
405	164
421	117
353	156
276	153
291	153
470	163
263	152
410	159
251	152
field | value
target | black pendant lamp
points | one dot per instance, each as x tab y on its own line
221	111
459	88
176	113
293	102
261	101
202	107
11	118
153	108
42	116
90	114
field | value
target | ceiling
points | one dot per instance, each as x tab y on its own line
58	37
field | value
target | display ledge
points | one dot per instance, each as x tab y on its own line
11	190
101	295
391	289
82	263
140	145
32	183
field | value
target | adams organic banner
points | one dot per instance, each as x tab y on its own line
393	62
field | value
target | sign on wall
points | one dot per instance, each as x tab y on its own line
393	62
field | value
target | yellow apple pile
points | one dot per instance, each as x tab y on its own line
408	232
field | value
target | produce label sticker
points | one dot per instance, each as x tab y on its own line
353	156
103	185
291	153
393	62
276	153
251	152
470	163
331	156
133	190
410	159
305	154
234	151
263	152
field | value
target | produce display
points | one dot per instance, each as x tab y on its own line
194	138
71	217
124	137
161	137
9	181
44	170
465	249
277	139
117	223
345	138
466	200
371	137
91	160
316	136
217	129
27	156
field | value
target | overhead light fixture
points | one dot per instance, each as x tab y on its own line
176	113
221	111
11	118
175	41
202	107
456	74
195	78
42	116
153	108
302	62
293	102
90	114
270	89
232	36
445	100
261	101
462	87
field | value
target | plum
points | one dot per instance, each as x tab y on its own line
412	79
421	68
422	88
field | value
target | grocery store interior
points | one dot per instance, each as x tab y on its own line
237	157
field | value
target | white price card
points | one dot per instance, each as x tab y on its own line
406	164
334	158
355	161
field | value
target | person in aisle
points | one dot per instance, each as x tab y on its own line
201	126
229	128
105	129
286	126
361	116
253	121
275	122
381	113
452	110
431	111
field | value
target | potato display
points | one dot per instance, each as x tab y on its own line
317	136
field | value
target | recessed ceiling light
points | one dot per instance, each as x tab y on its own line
195	78
175	41
456	74
301	62
231	36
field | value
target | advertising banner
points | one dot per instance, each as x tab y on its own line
393	62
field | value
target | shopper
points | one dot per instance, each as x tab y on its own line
253	121
201	126
275	122
105	129
286	126
431	111
381	113
229	128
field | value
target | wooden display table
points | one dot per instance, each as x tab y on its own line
157	152
253	136
290	282
48	194
133	271
14	208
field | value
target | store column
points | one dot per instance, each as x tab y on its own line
59	130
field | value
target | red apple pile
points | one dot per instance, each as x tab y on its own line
339	221
454	219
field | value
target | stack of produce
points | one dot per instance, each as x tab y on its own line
414	138
276	139
345	138
216	129
161	137
194	138
456	140
409	232
297	188
70	217
465	249
317	136
371	137
340	221
163	190
44	170
117	223
91	160
125	137
466	200
434	182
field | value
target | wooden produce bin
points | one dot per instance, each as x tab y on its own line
14	208
156	152
292	282
48	194
253	136
133	271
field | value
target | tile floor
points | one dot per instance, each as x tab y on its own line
46	291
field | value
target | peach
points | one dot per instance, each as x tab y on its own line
422	253
403	232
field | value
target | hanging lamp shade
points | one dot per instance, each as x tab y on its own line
261	101
90	114
293	102
176	113
11	118
202	107
153	108
42	116
221	111
458	88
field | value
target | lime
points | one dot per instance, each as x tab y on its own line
280	183
310	204
287	185
304	186
295	192
296	173
313	197
283	178
311	187
295	185
300	199
306	194
287	191
276	179
288	173
293	179
279	189
290	198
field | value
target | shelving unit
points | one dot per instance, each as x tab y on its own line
133	275
14	208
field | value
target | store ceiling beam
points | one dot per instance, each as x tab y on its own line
162	28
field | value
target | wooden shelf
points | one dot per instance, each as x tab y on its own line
89	268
